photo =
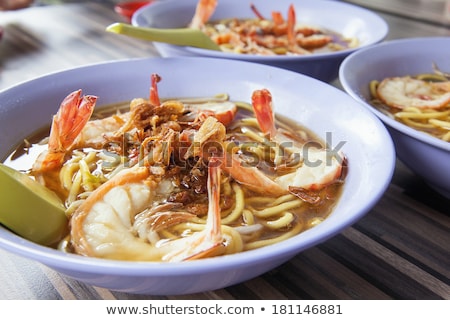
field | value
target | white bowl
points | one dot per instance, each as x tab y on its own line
347	19
427	156
322	108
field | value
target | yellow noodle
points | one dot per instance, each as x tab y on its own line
238	207
283	199
259	152
167	235
75	188
72	206
248	217
234	242
262	243
440	123
431	77
282	222
226	187
414	124
66	174
260	200
275	152
269	212
199	100
191	226
250	123
252	134
373	85
85	176
245	106
75	176
421	115
90	157
446	137
314	222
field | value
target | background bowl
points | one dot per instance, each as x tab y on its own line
330	113
349	20
427	156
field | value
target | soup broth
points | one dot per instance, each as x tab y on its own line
174	196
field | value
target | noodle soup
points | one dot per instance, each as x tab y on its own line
141	180
262	37
421	102
278	34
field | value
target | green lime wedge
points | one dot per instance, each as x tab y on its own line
30	209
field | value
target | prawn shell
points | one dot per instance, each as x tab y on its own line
405	92
79	242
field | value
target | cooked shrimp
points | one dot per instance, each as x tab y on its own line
95	131
265	36
154	95
291	21
313	41
72	116
319	168
120	220
150	113
203	11
293	43
404	92
223	111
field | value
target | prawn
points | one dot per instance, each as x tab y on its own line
98	132
283	27
203	11
405	92
143	112
73	114
120	220
302	41
318	168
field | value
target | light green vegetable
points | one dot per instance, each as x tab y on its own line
181	36
29	209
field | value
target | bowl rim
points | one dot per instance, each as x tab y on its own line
285	249
382	28
388	45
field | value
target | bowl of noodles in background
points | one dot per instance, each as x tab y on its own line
327	30
330	115
414	103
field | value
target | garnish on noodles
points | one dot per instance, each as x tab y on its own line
183	179
420	101
275	35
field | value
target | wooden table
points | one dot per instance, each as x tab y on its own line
399	250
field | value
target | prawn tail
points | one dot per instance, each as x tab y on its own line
154	96
73	114
262	107
203	11
291	20
211	242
